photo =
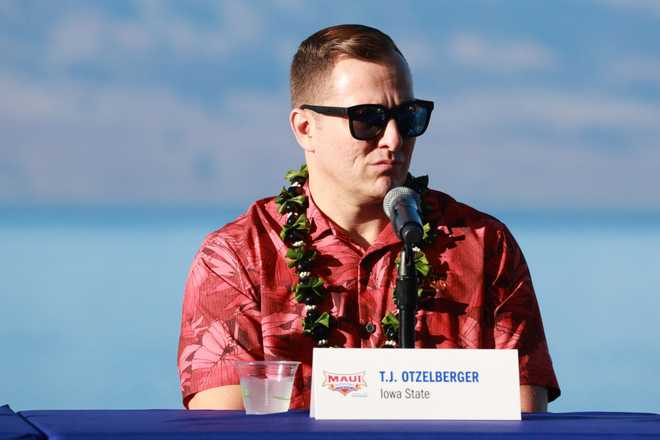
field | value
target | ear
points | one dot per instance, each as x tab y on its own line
302	125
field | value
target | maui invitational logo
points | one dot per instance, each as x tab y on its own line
344	383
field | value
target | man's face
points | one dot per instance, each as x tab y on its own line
362	171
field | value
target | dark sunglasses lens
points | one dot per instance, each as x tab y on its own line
412	119
367	121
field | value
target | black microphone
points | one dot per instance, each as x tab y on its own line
401	205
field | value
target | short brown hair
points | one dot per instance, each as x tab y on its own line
316	56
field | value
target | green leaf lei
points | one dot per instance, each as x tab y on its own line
310	289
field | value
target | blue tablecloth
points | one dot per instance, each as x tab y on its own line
12	426
181	424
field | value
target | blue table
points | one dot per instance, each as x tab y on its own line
13	426
181	424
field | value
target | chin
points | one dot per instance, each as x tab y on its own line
384	184
394	181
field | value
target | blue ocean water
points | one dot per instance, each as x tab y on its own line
90	304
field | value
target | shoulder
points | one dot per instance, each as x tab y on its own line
445	210
245	234
488	232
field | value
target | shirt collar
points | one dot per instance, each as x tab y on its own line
322	225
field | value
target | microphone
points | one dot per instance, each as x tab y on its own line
401	205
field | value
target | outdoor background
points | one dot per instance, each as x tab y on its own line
130	129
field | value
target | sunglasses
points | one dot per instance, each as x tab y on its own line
368	121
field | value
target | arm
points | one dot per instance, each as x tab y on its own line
220	325
518	323
533	398
225	397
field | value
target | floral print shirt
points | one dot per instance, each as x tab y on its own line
238	303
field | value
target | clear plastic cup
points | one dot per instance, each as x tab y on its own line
266	385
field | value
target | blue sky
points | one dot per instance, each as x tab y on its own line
539	105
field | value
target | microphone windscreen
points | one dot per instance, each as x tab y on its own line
394	196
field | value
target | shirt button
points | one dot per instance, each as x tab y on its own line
370	327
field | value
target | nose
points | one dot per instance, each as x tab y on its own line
391	138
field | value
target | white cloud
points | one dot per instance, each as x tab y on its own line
8	9
89	36
241	22
420	53
74	141
642	69
643	6
77	143
235	24
290	6
133	37
78	37
534	149
556	109
499	56
92	35
499	171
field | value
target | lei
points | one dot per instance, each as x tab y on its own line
310	289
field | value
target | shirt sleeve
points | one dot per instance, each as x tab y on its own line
220	322
517	316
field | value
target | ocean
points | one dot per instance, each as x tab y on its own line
90	304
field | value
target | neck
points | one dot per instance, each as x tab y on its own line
362	222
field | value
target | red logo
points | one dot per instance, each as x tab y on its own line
344	383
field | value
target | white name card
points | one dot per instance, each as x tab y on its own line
442	384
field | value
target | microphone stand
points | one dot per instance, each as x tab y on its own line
406	297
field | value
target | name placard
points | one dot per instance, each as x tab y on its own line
447	384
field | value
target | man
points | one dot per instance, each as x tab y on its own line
317	265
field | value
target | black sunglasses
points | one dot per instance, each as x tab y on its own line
368	121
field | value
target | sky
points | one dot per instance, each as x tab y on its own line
539	105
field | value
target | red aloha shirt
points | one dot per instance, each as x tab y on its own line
238	303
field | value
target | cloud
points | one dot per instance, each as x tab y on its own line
78	37
500	172
420	53
73	143
560	177
290	6
168	117
638	69
556	109
8	9
499	56
526	147
642	6
544	149
93	35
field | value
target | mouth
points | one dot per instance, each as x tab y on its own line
387	163
387	167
